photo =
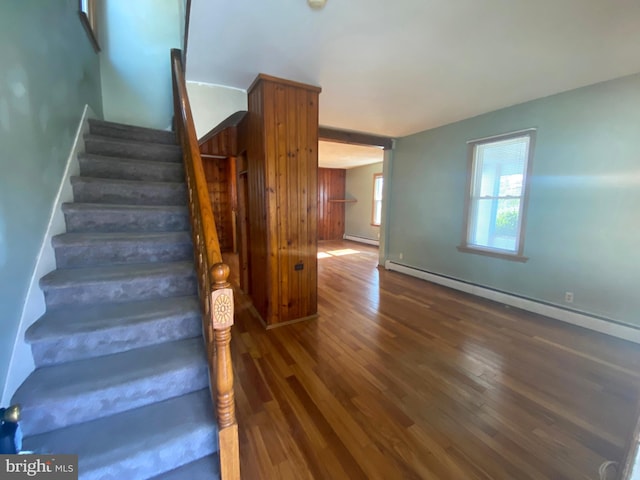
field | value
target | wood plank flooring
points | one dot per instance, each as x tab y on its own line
400	378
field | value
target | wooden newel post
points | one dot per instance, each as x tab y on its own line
222	313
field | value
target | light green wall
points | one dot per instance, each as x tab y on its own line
358	215
136	37
211	104
583	227
49	72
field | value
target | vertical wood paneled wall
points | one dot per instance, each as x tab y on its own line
222	142
259	281
219	178
282	154
331	186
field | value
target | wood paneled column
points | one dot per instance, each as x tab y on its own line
282	156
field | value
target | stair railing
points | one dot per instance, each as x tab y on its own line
216	296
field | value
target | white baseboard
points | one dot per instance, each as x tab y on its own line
21	363
368	241
611	328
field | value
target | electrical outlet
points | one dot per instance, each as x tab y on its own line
568	297
400	255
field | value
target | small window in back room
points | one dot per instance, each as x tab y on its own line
88	17
376	216
497	195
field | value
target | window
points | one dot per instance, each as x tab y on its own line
497	195
376	216
89	21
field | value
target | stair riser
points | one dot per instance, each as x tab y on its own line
142	151
94	344
140	221
144	465
128	133
102	403
200	443
158	172
127	194
166	285
204	468
118	253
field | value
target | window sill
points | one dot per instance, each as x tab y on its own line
514	257
90	33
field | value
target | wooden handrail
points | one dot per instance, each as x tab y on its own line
216	296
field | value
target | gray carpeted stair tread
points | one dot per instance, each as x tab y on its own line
96	217
118	283
131	132
129	168
70	277
63	334
128	192
116	147
88	238
139	443
74	392
89	249
206	468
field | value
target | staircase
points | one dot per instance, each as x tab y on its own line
121	376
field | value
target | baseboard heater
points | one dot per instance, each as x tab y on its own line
368	241
581	319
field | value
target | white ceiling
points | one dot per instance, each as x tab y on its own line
395	68
342	155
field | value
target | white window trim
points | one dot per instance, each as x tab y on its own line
488	251
374	201
89	20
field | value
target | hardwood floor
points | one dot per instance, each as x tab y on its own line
400	378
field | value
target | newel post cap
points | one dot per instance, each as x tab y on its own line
220	274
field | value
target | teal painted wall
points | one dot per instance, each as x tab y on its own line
583	225
359	185
136	37
49	72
